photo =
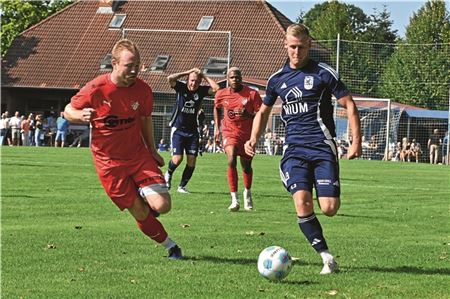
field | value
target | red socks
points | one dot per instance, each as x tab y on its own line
248	178
232	179
153	228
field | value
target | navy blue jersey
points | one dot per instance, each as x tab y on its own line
307	109
185	110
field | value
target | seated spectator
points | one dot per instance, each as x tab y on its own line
373	148
209	147
415	151
78	141
406	146
397	152
162	146
342	148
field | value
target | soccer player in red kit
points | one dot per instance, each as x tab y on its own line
119	106
240	103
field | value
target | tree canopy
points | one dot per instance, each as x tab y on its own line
18	16
418	72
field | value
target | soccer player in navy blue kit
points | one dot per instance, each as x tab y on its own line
310	156
184	122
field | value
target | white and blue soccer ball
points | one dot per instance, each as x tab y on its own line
274	263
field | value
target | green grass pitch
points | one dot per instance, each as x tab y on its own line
61	237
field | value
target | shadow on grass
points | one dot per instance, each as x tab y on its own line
209	192
251	261
19	196
411	270
221	260
356	216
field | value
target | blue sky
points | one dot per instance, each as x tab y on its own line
400	11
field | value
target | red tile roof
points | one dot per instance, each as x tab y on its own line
65	50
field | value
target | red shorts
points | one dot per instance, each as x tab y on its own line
121	180
237	141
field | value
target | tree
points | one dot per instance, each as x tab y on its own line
378	29
327	19
419	71
18	16
359	63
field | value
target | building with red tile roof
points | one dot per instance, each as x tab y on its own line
50	61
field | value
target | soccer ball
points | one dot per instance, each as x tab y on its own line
274	263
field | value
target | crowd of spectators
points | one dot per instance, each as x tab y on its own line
40	130
47	130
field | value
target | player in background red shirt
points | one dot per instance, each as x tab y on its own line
119	106
239	103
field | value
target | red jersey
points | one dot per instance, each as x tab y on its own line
239	109
116	126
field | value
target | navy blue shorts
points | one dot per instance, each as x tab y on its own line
184	142
315	164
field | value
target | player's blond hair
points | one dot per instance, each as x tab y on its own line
124	44
297	30
235	70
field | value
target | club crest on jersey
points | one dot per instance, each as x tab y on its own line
135	105
309	82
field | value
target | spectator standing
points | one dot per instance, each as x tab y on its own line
269	142
4	123
119	107
25	131
8	128
445	154
39	134
14	124
433	146
310	155
32	122
184	122
62	126
50	128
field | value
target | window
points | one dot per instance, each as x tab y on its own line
106	64
216	66
205	23
117	21
160	63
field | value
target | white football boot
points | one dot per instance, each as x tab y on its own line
234	207
248	203
329	267
182	190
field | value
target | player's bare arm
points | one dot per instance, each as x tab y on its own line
80	116
216	125
172	79
355	149
259	124
214	86
147	133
